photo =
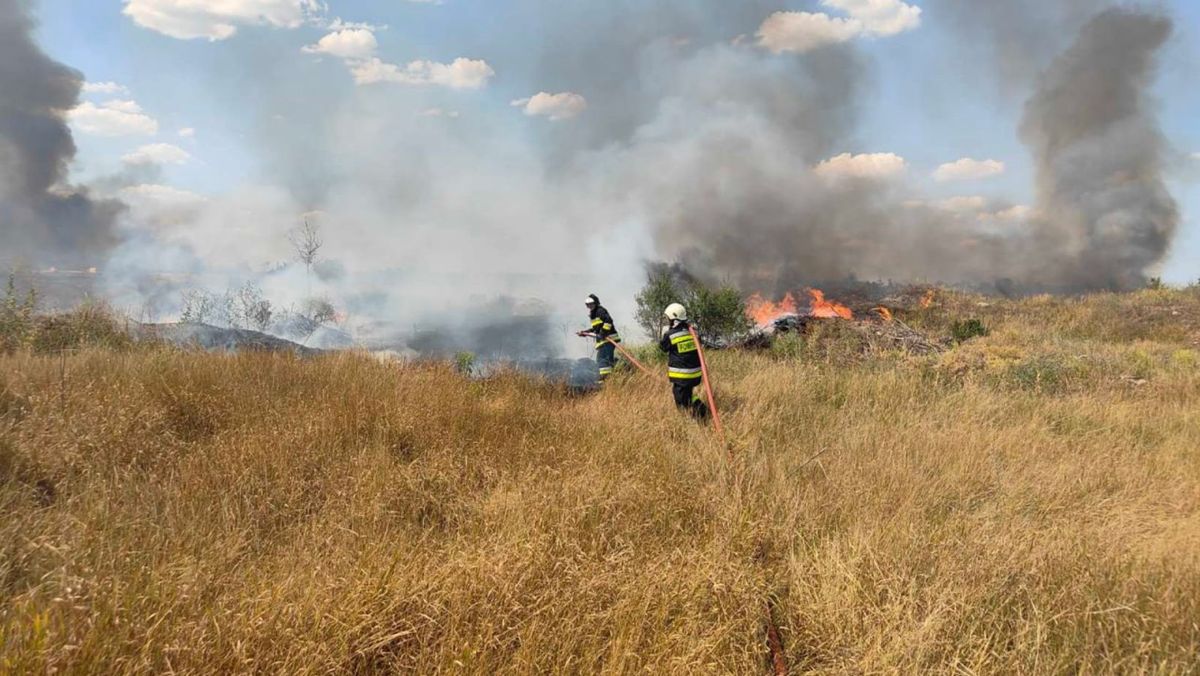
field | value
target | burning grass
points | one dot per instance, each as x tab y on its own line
1027	501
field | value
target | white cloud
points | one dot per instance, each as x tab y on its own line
157	153
217	19
339	25
110	88
350	43
187	132
806	31
562	106
356	46
460	74
438	112
1019	212
872	165
967	169
963	204
112	118
880	17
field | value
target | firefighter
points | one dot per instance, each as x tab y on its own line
683	361
603	330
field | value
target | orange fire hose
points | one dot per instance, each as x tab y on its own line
633	360
712	401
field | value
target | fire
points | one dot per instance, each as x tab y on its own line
884	312
763	311
927	301
826	309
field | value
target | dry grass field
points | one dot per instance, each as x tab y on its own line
1025	502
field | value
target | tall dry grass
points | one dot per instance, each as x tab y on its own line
1028	502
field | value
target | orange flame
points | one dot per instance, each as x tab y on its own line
826	309
763	311
884	312
927	301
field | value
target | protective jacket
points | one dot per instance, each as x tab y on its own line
603	327
683	359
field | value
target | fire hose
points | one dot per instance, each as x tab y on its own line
712	401
633	360
625	353
774	641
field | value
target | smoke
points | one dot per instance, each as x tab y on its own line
1106	214
729	188
696	146
1018	37
41	218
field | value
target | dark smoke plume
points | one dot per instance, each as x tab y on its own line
40	217
734	198
1104	209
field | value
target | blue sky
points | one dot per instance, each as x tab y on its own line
236	91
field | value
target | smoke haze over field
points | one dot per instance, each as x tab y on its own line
726	135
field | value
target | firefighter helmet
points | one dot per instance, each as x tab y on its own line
676	312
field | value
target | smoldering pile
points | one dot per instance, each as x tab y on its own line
872	322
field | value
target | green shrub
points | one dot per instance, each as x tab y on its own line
788	346
16	318
464	362
717	312
966	329
90	325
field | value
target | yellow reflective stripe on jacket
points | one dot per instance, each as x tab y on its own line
597	322
685	374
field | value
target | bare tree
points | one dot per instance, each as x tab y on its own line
306	240
250	308
199	306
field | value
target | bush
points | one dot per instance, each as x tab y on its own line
464	363
966	329
16	318
718	313
90	325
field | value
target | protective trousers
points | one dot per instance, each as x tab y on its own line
687	397
606	359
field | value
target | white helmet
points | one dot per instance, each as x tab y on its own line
676	312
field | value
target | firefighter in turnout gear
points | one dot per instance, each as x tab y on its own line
603	330
683	361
